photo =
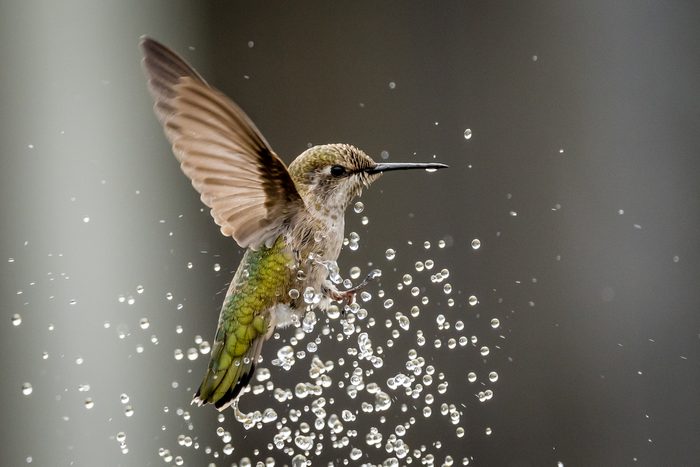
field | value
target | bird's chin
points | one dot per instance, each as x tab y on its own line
371	178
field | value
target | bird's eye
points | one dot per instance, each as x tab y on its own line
338	171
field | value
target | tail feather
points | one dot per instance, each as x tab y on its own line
226	377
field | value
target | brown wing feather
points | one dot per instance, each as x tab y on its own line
248	188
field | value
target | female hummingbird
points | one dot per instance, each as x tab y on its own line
290	219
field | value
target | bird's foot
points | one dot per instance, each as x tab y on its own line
349	296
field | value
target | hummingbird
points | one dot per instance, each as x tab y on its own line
290	220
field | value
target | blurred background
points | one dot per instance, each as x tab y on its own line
572	134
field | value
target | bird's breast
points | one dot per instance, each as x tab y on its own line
316	243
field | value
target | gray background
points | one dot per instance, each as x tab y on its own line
595	281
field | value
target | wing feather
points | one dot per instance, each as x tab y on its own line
248	188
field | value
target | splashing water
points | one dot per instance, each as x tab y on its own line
360	383
332	388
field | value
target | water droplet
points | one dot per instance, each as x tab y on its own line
390	254
285	357
144	323
86	219
384	154
139	289
309	295
484	351
124	398
392	85
16	319
374	274
217	267
488	431
495	323
27	388
388	303
169	296
476	244
493	376
178	354
79	360
89	403
468	134
293	294
473	300
447	288
128	411
192	353
251	44
359	207
471	377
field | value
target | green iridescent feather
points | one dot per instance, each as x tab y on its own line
259	284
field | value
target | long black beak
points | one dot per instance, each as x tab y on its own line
405	166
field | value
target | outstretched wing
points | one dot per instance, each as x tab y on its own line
248	188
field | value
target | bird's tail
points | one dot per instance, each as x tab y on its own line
229	370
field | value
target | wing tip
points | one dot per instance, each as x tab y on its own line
146	42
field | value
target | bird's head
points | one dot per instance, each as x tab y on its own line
328	177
